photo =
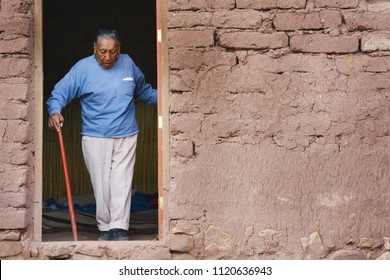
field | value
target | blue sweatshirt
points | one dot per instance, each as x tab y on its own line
106	96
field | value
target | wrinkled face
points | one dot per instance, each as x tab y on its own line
106	51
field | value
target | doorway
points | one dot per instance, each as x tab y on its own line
68	31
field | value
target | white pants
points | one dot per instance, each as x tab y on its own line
110	163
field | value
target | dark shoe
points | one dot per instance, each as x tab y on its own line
118	234
104	235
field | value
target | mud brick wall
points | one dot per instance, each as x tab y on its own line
16	124
280	128
279	133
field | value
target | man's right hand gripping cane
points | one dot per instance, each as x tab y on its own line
56	121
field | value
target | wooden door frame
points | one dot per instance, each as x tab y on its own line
38	120
162	112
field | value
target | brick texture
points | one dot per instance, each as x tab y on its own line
221	4
183	5
174	5
376	42
11	218
227	19
310	21
193	38
321	43
331	19
19	45
240	20
16	25
13	179
17	131
253	40
16	123
336	3
13	92
271	4
367	21
16	200
188	19
14	67
17	6
290	21
286	87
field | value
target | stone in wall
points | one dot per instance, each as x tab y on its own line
347	254
384	256
216	240
313	246
181	243
57	251
90	250
10	235
186	230
271	244
183	211
366	242
9	249
376	42
249	231
375	5
386	243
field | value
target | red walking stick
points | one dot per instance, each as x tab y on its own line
67	183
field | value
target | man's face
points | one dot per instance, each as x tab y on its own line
106	51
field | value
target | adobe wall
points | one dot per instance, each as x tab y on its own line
16	125
280	142
280	127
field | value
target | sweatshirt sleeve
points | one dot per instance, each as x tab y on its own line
64	91
143	90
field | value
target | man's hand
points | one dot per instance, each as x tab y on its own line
56	121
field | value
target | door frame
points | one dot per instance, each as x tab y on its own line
162	113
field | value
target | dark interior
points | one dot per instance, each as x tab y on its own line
68	32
